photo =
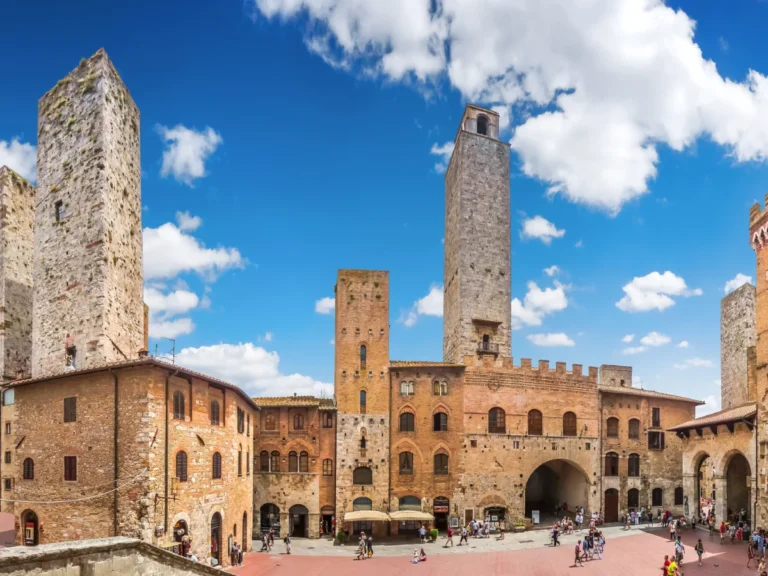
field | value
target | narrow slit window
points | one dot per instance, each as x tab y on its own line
59	210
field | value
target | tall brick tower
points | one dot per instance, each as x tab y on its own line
362	393
737	336
88	306
477	273
17	211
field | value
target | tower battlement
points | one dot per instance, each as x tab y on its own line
758	225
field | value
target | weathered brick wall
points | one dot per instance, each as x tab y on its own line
88	268
616	375
477	269
658	468
17	200
424	442
737	335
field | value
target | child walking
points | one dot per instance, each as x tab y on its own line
699	550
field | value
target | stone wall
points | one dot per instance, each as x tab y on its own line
737	335
88	267
477	269
616	376
100	557
17	200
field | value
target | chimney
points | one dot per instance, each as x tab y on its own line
143	353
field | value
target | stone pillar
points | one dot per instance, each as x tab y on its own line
689	490
720	497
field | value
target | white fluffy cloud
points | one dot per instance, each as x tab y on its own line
429	305
325	305
695	363
654	339
631	350
541	229
654	291
169	251
711	405
21	157
601	83
736	282
187	222
628	338
252	368
683	344
537	304
443	152
170	304
547	340
171	328
187	151
552	271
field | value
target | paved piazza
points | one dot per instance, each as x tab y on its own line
639	551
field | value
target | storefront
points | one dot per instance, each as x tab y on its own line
494	515
409	516
441	507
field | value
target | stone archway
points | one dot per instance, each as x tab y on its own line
554	484
737	474
703	485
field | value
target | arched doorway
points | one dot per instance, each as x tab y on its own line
270	518
738	485
440	508
326	519
553	484
299	521
704	486
246	545
633	500
611	505
181	535
30	532
216	538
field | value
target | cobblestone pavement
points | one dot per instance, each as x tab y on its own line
634	553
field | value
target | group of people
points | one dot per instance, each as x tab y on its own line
591	546
365	546
756	550
268	540
236	555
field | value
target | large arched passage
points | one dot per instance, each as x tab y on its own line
553	484
737	482
270	518
704	486
299	521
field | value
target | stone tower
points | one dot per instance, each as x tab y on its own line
737	335
619	376
17	214
477	273
362	392
88	307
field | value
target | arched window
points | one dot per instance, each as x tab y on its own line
611	464
274	461
240	460
440	388
270	423
362	504
214	413
497	423
178	406
362	476
293	462
612	428
181	466
29	469
264	461
362	357
634	429
406	388
362	401
303	462
406	463
482	124
534	423
440	422
569	424
633	498
657	497
441	463
678	496
407	422
216	466
298	421
633	467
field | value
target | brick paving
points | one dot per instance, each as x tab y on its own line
637	554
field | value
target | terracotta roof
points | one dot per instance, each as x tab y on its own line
295	401
149	361
647	394
722	417
406	363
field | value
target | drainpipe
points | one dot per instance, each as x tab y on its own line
115	453
168	377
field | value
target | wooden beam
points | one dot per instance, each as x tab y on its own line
729	425
713	429
687	433
750	424
698	431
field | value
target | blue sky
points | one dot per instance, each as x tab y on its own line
298	137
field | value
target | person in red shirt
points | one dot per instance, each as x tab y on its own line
666	565
722	532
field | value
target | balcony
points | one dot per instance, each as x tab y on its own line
487	348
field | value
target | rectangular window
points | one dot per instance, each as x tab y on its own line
8	484
516	444
8	457
248	425
70	409
59	210
655	440
656	417
70	468
8	397
327	467
240	421
247	464
473	443
327	420
7	427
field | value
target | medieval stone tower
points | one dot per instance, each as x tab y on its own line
737	337
477	273
88	278
17	209
362	392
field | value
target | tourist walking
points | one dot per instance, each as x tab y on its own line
672	531
722	532
463	538
665	565
751	552
264	543
700	550
555	535
577	560
449	540
502	527
423	534
369	545
287	542
679	551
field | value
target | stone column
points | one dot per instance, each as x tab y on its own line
720	497
689	490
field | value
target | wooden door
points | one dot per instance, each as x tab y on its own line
611	505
